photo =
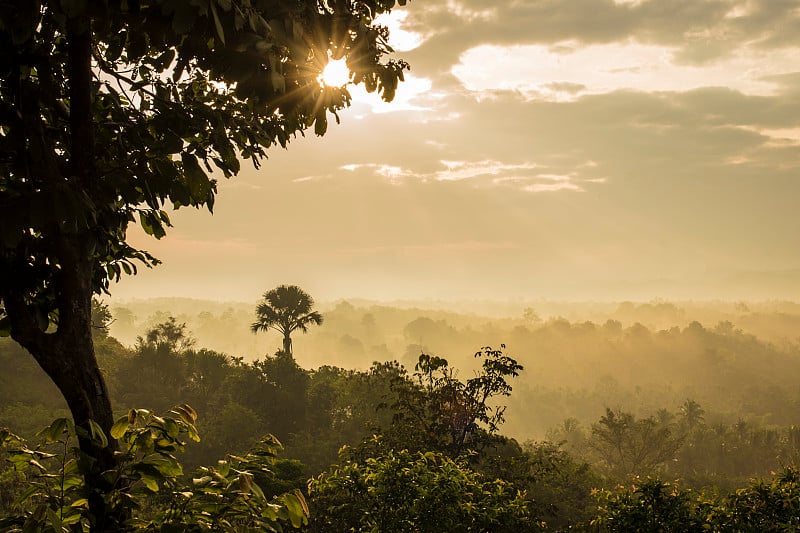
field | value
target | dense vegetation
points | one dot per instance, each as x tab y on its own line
657	429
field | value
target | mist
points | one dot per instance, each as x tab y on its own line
738	359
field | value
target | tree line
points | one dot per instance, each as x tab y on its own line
386	446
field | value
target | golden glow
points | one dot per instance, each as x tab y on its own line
335	73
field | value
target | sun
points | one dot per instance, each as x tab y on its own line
335	73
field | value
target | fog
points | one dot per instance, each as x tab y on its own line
737	359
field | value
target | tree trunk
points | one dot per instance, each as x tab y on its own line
67	356
287	343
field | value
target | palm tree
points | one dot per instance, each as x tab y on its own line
286	308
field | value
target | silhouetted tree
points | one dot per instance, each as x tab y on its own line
285	309
437	411
111	112
693	414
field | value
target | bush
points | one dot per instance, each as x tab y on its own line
148	488
402	491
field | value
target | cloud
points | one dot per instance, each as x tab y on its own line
413	94
400	39
460	170
485	173
570	71
697	32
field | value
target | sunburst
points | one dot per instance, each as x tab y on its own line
335	73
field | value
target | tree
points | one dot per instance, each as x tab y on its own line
403	491
101	318
693	414
167	335
633	446
435	410
285	309
111	111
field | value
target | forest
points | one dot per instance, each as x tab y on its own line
649	161
641	419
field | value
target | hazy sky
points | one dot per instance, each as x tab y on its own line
567	149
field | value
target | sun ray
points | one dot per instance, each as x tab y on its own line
335	73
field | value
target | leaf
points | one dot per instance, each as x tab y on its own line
186	413
22	498
98	434
297	508
321	123
82	502
151	224
38	465
149	481
196	179
171	428
171	143
120	427
217	23
52	433
54	520
166	467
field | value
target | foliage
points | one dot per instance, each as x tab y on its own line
168	335
111	113
404	491
767	505
437	411
634	446
653	505
560	486
101	318
147	484
721	455
161	91
286	308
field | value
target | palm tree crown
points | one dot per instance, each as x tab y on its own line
286	308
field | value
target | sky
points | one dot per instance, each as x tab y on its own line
539	149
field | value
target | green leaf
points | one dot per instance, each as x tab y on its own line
54	520
297	508
26	494
171	428
98	434
52	433
149	481
120	427
168	467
